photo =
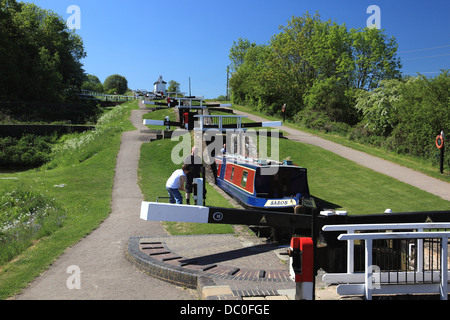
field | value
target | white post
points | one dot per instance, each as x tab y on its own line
350	253
420	253
444	275
368	272
201	123
199	182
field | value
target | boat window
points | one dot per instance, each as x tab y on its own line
244	178
287	182
232	173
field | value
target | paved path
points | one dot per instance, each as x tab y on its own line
409	176
105	271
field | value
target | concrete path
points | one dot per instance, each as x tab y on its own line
409	176
105	271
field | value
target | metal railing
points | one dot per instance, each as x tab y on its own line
399	262
86	94
220	122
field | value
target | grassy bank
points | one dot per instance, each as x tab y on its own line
79	179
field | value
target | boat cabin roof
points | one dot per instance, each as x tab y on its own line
258	162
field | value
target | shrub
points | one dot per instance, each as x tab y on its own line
333	99
28	151
25	215
406	115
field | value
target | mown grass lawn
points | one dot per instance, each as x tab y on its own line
354	188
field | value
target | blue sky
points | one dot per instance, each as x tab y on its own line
181	39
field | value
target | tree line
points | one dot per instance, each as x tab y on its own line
114	84
41	58
349	81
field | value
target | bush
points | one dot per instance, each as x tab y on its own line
25	215
405	116
28	151
331	98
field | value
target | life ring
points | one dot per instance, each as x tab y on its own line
439	141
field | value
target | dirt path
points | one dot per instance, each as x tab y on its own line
105	273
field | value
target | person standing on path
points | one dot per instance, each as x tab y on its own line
176	183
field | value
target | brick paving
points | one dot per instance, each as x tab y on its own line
215	261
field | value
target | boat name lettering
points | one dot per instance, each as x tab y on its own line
276	203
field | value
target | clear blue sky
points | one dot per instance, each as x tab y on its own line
178	39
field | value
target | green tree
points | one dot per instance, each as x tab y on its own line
331	98
238	52
423	111
173	86
375	57
408	114
308	60
40	58
92	83
115	84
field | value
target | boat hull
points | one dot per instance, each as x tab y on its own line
247	183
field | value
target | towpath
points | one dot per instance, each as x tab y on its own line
409	176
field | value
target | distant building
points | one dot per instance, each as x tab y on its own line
159	86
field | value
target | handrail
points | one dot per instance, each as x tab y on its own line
220	118
368	238
384	226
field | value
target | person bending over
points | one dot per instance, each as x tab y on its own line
176	183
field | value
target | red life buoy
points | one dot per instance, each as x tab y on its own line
439	141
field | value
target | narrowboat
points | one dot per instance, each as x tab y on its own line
262	184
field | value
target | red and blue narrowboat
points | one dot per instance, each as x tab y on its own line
262	184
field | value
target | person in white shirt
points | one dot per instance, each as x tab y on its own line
176	183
